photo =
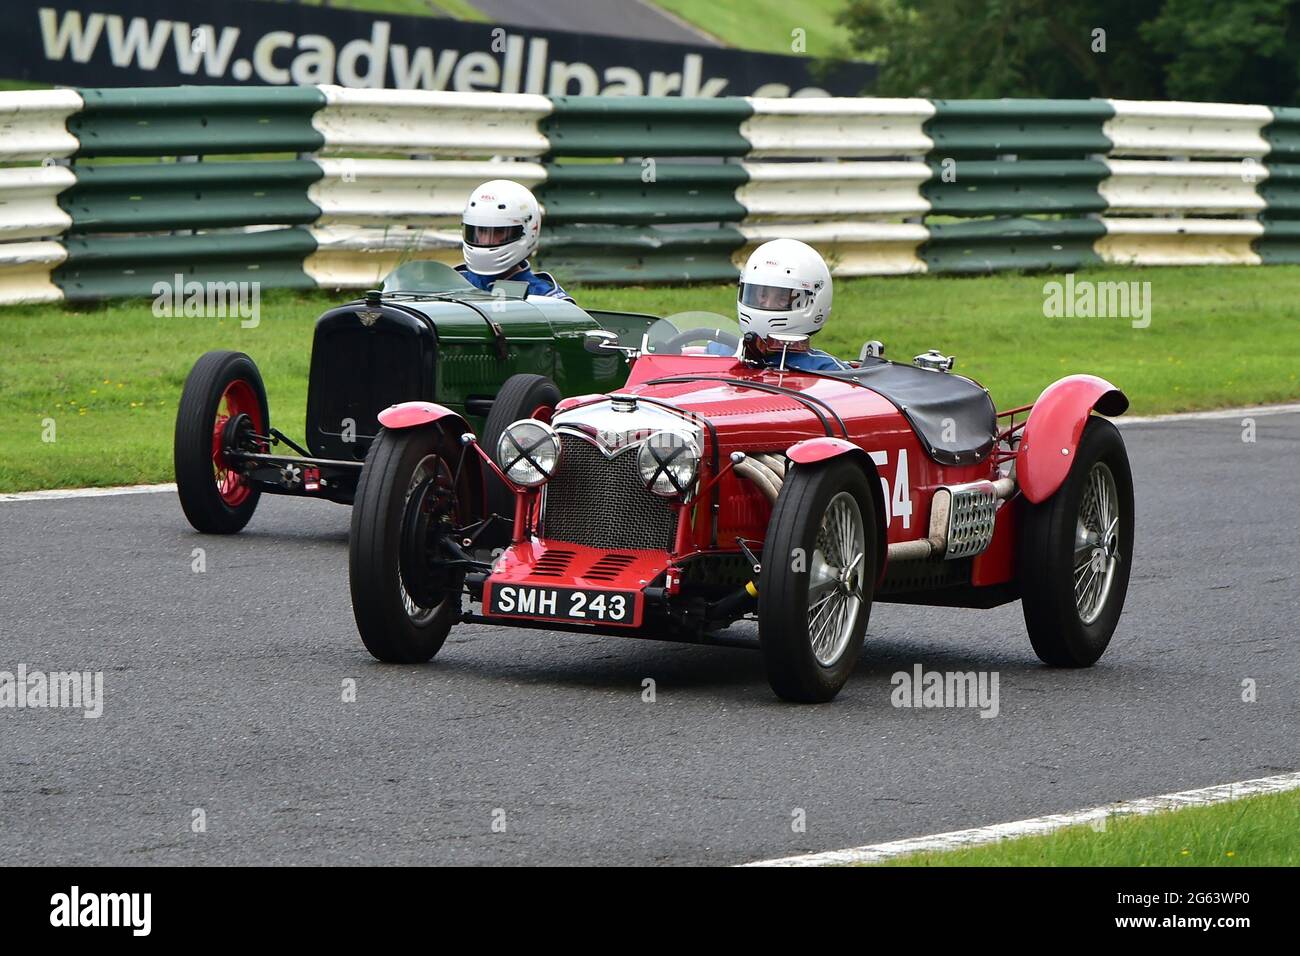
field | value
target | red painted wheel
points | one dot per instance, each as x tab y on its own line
239	398
223	405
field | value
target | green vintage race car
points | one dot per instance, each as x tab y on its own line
494	357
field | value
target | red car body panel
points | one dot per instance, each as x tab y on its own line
1055	425
561	564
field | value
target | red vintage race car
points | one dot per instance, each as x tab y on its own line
719	486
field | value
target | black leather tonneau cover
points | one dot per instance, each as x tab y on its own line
952	416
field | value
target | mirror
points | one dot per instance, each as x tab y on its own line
599	341
788	339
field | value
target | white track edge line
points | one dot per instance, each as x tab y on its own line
1220	413
55	494
1035	826
60	493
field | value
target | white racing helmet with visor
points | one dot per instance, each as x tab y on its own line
501	226
784	287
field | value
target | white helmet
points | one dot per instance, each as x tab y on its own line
784	287
502	223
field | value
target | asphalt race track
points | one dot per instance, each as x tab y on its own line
223	693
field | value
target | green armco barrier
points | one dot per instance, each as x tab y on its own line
642	255
647	126
197	120
107	267
1283	135
1019	244
1025	128
156	196
991	188
638	193
1281	191
1280	244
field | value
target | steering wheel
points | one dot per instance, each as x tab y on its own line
682	339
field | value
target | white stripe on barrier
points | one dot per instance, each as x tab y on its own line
834	190
358	257
1152	128
838	126
25	269
431	122
849	248
29	207
1165	186
34	124
1179	242
405	191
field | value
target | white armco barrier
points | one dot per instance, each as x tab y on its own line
29	207
1179	242
847	127
1152	128
834	190
378	192
433	123
34	124
25	269
1166	186
850	248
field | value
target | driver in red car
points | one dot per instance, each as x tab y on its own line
501	226
785	288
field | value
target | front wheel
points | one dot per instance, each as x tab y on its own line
223	406
406	595
819	572
1076	552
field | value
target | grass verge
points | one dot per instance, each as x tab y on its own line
1253	831
109	376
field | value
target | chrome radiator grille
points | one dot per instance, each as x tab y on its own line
602	502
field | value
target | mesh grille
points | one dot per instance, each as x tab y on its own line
361	372
602	502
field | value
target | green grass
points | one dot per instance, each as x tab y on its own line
110	375
1255	831
767	25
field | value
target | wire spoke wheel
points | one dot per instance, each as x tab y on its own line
430	499
1096	543
835	579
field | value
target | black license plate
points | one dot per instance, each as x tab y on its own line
565	604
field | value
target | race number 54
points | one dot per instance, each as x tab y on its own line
898	500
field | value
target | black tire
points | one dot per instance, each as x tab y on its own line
520	396
193	455
1047	556
381	532
793	669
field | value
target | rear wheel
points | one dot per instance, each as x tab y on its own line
1076	552
223	405
521	396
405	595
815	591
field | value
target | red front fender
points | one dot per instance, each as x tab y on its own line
414	414
813	450
1055	425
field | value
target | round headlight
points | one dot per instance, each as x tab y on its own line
529	452
668	463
